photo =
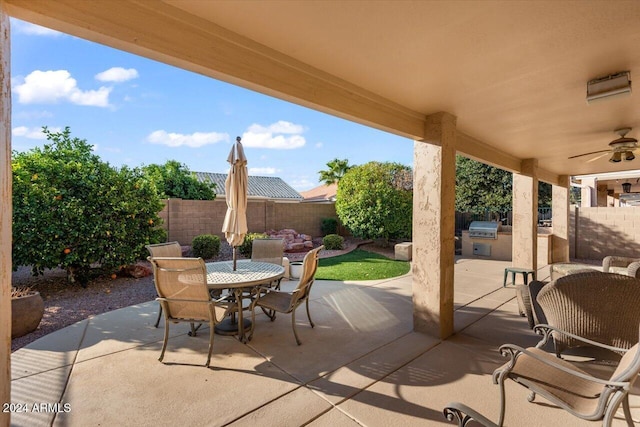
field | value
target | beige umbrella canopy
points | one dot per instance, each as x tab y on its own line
235	220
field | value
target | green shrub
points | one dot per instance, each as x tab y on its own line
246	247
205	246
333	242
329	226
375	201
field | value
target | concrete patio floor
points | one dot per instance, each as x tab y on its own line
362	365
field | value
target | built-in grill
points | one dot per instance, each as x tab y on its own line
484	229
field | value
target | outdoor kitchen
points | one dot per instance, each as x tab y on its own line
492	240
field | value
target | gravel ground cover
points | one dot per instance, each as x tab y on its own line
67	304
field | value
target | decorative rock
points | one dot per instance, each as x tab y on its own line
293	242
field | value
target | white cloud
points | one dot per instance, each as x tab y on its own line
32	133
32	29
49	87
302	184
194	140
33	115
117	74
281	135
28	133
263	171
319	145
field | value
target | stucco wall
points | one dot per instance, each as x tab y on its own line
185	219
605	231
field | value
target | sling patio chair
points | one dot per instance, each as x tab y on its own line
560	382
168	249
183	293
268	250
275	301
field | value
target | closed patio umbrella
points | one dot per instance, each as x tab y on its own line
235	220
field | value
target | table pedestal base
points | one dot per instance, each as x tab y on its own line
230	327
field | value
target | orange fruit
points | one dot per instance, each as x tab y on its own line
114	275
67	251
150	222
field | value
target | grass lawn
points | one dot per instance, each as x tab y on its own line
360	265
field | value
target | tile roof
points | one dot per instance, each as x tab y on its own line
321	193
259	186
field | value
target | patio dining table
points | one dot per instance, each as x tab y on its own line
248	274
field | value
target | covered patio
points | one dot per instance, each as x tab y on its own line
500	82
377	370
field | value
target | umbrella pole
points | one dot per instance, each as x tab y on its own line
234	258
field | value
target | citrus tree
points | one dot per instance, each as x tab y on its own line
73	211
375	200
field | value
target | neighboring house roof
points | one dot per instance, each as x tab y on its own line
259	186
321	193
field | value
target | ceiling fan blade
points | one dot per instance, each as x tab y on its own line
597	157
593	152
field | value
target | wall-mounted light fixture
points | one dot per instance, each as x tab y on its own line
608	86
626	187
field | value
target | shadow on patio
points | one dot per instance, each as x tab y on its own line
361	365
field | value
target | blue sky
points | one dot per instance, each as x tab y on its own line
136	111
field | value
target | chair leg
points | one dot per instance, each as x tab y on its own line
502	402
309	314
166	338
271	314
159	316
627	411
211	335
253	322
293	324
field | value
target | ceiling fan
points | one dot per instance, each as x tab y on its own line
621	148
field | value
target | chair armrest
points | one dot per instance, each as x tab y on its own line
546	330
634	270
616	261
514	351
464	415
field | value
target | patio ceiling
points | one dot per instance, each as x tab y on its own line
513	73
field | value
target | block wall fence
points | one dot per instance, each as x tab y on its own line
186	219
594	232
598	232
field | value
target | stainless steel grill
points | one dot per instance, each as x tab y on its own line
484	229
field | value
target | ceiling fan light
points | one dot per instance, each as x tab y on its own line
628	155
616	157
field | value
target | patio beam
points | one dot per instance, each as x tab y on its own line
480	151
5	213
159	31
525	216
434	183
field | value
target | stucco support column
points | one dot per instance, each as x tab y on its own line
434	183
5	213
525	216
588	195
601	195
560	219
